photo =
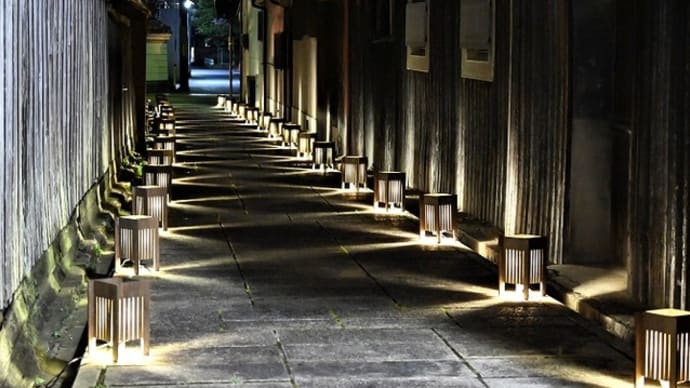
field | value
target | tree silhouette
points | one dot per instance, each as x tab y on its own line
206	24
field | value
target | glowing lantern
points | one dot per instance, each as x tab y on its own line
522	262
136	239
151	201
662	347
119	313
389	189
354	172
437	214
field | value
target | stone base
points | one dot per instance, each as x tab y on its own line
41	330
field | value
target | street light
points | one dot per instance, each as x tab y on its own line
184	44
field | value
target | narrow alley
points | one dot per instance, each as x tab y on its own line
271	277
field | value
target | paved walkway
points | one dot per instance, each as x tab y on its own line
212	81
272	278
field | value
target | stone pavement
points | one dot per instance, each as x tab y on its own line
271	277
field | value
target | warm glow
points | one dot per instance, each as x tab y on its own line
127	355
351	188
445	240
194	280
517	294
389	210
197	264
221	102
137	239
144	271
662	336
594	281
179	229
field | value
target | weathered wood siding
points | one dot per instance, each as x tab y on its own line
458	135
481	147
56	123
660	147
538	122
375	74
505	146
430	114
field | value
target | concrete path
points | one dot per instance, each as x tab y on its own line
272	278
212	81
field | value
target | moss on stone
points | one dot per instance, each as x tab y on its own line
50	302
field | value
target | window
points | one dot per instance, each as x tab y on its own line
417	35
477	39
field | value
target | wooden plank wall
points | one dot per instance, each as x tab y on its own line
3	146
538	122
451	134
660	167
362	106
376	71
481	147
430	114
503	146
54	126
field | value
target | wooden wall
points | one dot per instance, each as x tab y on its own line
375	75
660	167
505	147
56	124
275	19
501	145
430	105
538	121
481	147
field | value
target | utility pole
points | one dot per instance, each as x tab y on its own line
184	47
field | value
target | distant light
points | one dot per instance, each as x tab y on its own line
188	4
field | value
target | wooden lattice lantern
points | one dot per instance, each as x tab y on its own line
159	157
290	134
158	176
354	172
275	128
167	112
151	201
221	100
166	126
165	142
522	262
118	312
437	214
252	114
662	347
305	144
137	240
324	152
265	121
389	190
